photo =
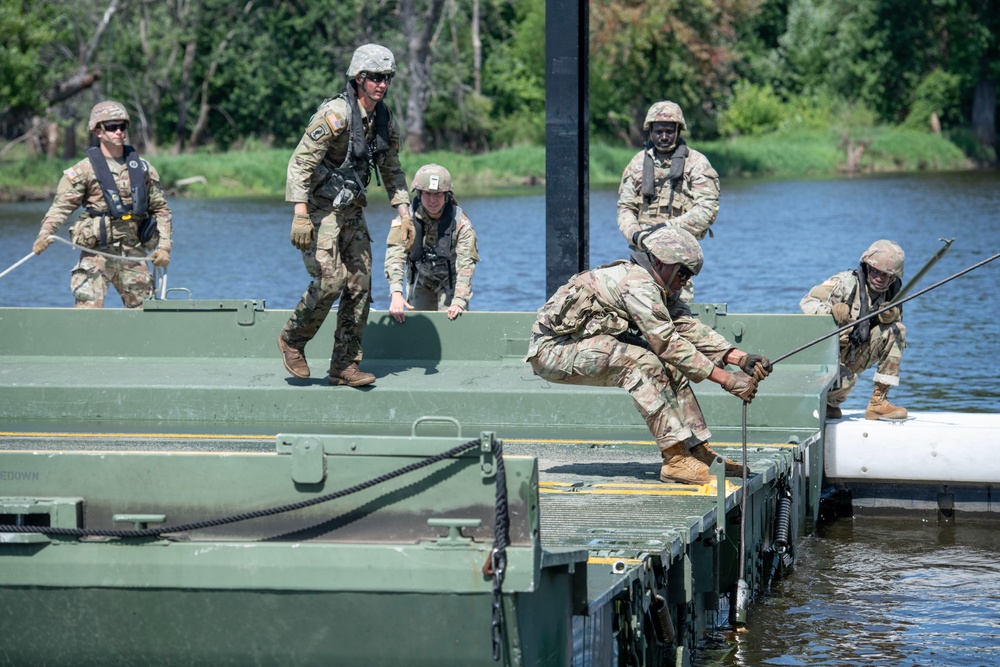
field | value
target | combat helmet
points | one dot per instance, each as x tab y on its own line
886	256
664	112
432	178
673	245
105	111
371	58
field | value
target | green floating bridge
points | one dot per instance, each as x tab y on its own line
326	525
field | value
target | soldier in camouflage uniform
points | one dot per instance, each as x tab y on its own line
667	183
850	295
347	138
124	215
583	336
443	257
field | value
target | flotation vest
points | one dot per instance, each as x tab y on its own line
427	261
677	160
118	209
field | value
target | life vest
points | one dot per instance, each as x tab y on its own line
118	209
344	184
861	331
677	160
430	261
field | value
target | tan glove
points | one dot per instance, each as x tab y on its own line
741	386
409	233
841	313
302	231
160	258
756	365
889	316
41	243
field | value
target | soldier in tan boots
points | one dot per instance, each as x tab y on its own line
851	295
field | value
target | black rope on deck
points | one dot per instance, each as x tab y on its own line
256	514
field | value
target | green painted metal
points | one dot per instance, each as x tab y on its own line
183	412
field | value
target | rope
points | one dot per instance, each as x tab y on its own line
256	514
496	566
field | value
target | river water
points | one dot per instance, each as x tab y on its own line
864	592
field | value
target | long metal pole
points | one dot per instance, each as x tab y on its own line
884	308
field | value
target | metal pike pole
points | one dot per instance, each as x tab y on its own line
17	264
742	588
884	308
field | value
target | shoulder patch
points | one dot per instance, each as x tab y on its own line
336	124
317	133
72	174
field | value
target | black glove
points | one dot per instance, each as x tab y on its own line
639	238
756	365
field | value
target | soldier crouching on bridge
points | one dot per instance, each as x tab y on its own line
850	295
441	259
582	336
125	214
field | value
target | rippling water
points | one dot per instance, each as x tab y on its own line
877	592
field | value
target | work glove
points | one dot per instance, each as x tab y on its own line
639	238
756	365
41	243
302	231
409	233
889	316
160	258
841	313
741	386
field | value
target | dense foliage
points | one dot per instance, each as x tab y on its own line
216	74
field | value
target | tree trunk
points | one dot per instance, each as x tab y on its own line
190	50
984	110
420	55
477	50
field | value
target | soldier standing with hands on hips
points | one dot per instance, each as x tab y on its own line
347	138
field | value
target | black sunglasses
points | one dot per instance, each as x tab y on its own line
378	77
684	273
114	127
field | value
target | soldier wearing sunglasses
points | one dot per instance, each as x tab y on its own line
349	138
125	213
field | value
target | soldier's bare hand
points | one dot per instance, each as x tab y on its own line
398	307
454	310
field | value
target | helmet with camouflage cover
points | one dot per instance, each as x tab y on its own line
371	58
432	178
886	256
105	111
673	245
664	112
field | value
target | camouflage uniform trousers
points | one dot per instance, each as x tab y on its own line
425	298
662	395
91	276
885	348
340	263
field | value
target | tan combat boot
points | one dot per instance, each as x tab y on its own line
352	376
880	407
679	466
707	455
294	359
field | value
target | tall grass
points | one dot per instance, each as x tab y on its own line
521	169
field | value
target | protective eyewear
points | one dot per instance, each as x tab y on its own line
378	77
684	273
115	127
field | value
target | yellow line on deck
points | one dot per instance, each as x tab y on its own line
173	436
601	560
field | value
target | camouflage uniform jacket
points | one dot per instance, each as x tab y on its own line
326	142
611	299
464	255
696	201
79	187
841	288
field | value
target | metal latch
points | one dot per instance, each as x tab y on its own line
139	521
487	462
308	461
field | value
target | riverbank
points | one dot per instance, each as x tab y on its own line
521	169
